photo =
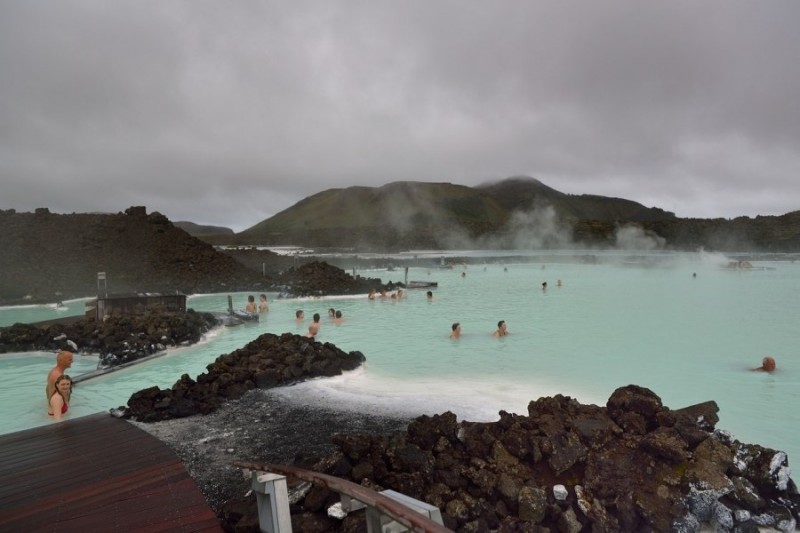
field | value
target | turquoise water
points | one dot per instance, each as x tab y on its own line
624	319
37	313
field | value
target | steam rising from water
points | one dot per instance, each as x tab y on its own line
538	228
630	237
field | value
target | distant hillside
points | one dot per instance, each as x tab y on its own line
50	257
197	230
402	214
525	194
517	212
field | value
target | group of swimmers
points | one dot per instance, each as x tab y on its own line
59	384
335	315
382	294
501	331
262	306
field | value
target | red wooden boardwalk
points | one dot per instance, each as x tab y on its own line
96	473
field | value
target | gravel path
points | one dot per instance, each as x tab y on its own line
258	427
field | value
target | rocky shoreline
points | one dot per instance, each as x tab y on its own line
124	338
266	362
631	465
258	426
117	340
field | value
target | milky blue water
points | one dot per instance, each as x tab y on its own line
679	324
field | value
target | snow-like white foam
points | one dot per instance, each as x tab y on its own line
359	390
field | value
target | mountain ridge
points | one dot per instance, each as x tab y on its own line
517	212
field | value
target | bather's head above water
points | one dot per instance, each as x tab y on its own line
64	359
767	364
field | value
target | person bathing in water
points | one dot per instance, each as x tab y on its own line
456	334
59	401
767	365
501	329
63	362
251	304
338	317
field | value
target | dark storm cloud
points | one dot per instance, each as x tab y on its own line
228	112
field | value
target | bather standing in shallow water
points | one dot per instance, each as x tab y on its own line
313	330
59	401
251	304
338	317
63	362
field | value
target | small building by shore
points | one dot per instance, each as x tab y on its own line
133	304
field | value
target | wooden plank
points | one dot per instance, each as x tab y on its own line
96	473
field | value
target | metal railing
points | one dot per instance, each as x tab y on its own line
377	504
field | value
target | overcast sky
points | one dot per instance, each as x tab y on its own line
227	112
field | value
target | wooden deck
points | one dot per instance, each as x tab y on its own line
96	473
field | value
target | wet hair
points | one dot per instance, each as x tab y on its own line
316	317
298	313
251	298
500	324
430	294
331	312
263	297
338	314
455	325
61	378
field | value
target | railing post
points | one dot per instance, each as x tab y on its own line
378	522
387	511
272	498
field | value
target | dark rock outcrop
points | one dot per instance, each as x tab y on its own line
119	339
317	278
51	257
48	257
268	361
633	465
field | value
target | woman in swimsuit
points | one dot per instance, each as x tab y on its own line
59	401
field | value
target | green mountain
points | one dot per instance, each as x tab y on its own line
400	214
516	212
401	204
523	193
